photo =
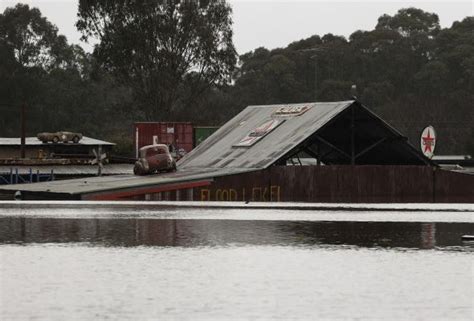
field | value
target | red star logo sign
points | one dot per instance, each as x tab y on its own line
428	142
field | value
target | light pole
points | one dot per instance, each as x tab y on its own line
315	58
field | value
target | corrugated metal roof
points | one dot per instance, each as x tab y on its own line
218	151
110	169
118	182
33	141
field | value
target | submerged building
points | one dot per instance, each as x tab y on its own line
262	155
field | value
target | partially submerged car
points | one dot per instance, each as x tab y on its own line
57	137
154	158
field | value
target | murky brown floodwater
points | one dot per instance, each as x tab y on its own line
68	262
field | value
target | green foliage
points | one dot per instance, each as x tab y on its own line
124	143
407	69
154	46
59	83
410	22
33	40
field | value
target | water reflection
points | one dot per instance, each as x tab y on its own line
189	233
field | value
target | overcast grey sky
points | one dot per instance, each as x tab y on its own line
277	23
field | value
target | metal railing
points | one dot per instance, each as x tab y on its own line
14	177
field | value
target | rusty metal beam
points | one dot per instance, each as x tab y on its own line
320	159
380	141
299	160
308	150
322	140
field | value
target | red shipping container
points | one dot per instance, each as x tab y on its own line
180	135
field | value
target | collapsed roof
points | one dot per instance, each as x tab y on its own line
333	133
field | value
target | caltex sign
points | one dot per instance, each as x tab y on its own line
428	141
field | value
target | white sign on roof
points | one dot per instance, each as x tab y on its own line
291	111
258	133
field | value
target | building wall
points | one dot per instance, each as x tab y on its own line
327	184
14	151
331	184
452	187
180	135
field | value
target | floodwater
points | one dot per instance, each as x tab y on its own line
82	261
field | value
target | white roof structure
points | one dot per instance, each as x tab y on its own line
33	141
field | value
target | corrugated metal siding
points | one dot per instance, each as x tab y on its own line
361	184
243	187
331	184
343	184
178	134
452	187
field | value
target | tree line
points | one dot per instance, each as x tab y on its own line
175	61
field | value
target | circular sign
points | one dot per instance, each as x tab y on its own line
428	141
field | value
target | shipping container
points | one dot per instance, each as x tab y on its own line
202	133
179	135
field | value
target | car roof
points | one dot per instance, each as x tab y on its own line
154	146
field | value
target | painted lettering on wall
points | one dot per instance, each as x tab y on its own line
254	194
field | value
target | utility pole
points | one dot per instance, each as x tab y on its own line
315	57
23	131
352	135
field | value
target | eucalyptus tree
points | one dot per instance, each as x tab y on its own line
30	48
162	49
33	40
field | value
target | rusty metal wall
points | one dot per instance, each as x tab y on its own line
255	186
331	184
452	187
179	134
172	195
358	184
345	184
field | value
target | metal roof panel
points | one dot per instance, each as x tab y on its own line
33	141
109	169
219	150
118	182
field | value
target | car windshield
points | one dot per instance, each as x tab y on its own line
153	151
